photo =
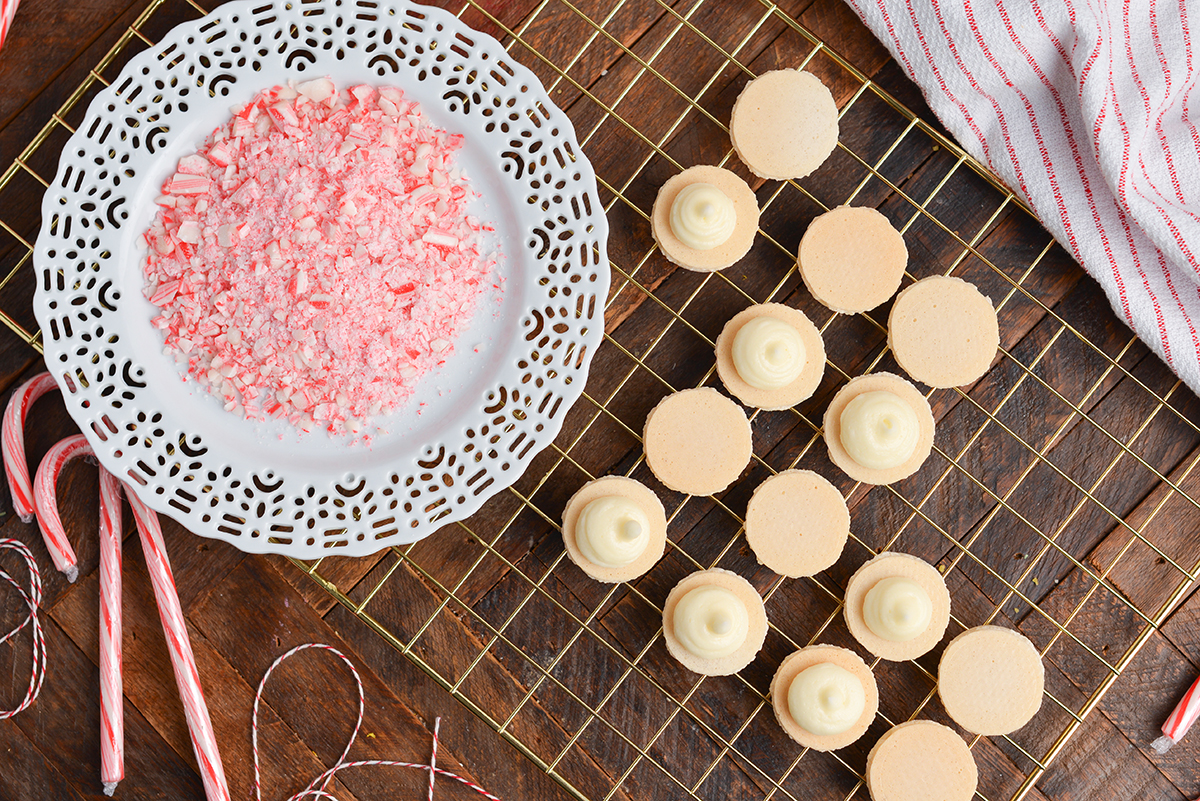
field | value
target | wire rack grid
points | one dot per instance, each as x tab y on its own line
573	673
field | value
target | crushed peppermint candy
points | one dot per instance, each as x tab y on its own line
314	259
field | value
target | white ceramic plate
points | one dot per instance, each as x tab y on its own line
495	404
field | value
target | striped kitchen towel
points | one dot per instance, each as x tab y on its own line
1089	110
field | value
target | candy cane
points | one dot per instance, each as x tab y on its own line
33	600
13	435
45	498
1180	720
204	741
112	710
8	9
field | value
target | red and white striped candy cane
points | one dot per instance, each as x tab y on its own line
1181	719
204	741
8	9
45	498
13	434
33	600
112	710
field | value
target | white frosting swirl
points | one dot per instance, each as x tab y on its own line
897	609
612	531
826	699
768	353
711	622
702	216
879	430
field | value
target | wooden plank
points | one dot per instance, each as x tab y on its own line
149	684
255	591
67	729
38	777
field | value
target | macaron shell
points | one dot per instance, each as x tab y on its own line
990	680
943	331
833	428
886	565
697	441
794	544
784	124
921	761
852	259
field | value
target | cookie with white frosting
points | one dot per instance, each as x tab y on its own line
879	428
704	218
614	528
770	356
824	697
714	622
897	606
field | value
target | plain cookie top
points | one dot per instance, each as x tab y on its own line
795	544
745	209
772	400
755	635
697	441
906	392
645	499
784	124
805	658
990	680
915	569
920	761
852	259
943	331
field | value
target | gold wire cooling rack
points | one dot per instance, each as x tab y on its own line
1050	491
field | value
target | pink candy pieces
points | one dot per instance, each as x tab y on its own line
204	741
45	498
315	258
13	446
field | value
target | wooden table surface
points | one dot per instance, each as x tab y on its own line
244	610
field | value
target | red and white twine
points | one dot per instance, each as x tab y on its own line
316	789
32	600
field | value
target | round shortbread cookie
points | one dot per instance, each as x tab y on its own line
943	331
852	259
921	761
790	542
886	565
755	636
990	680
784	124
772	400
645	499
745	209
906	392
697	441
806	658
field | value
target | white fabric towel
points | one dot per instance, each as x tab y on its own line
1089	110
